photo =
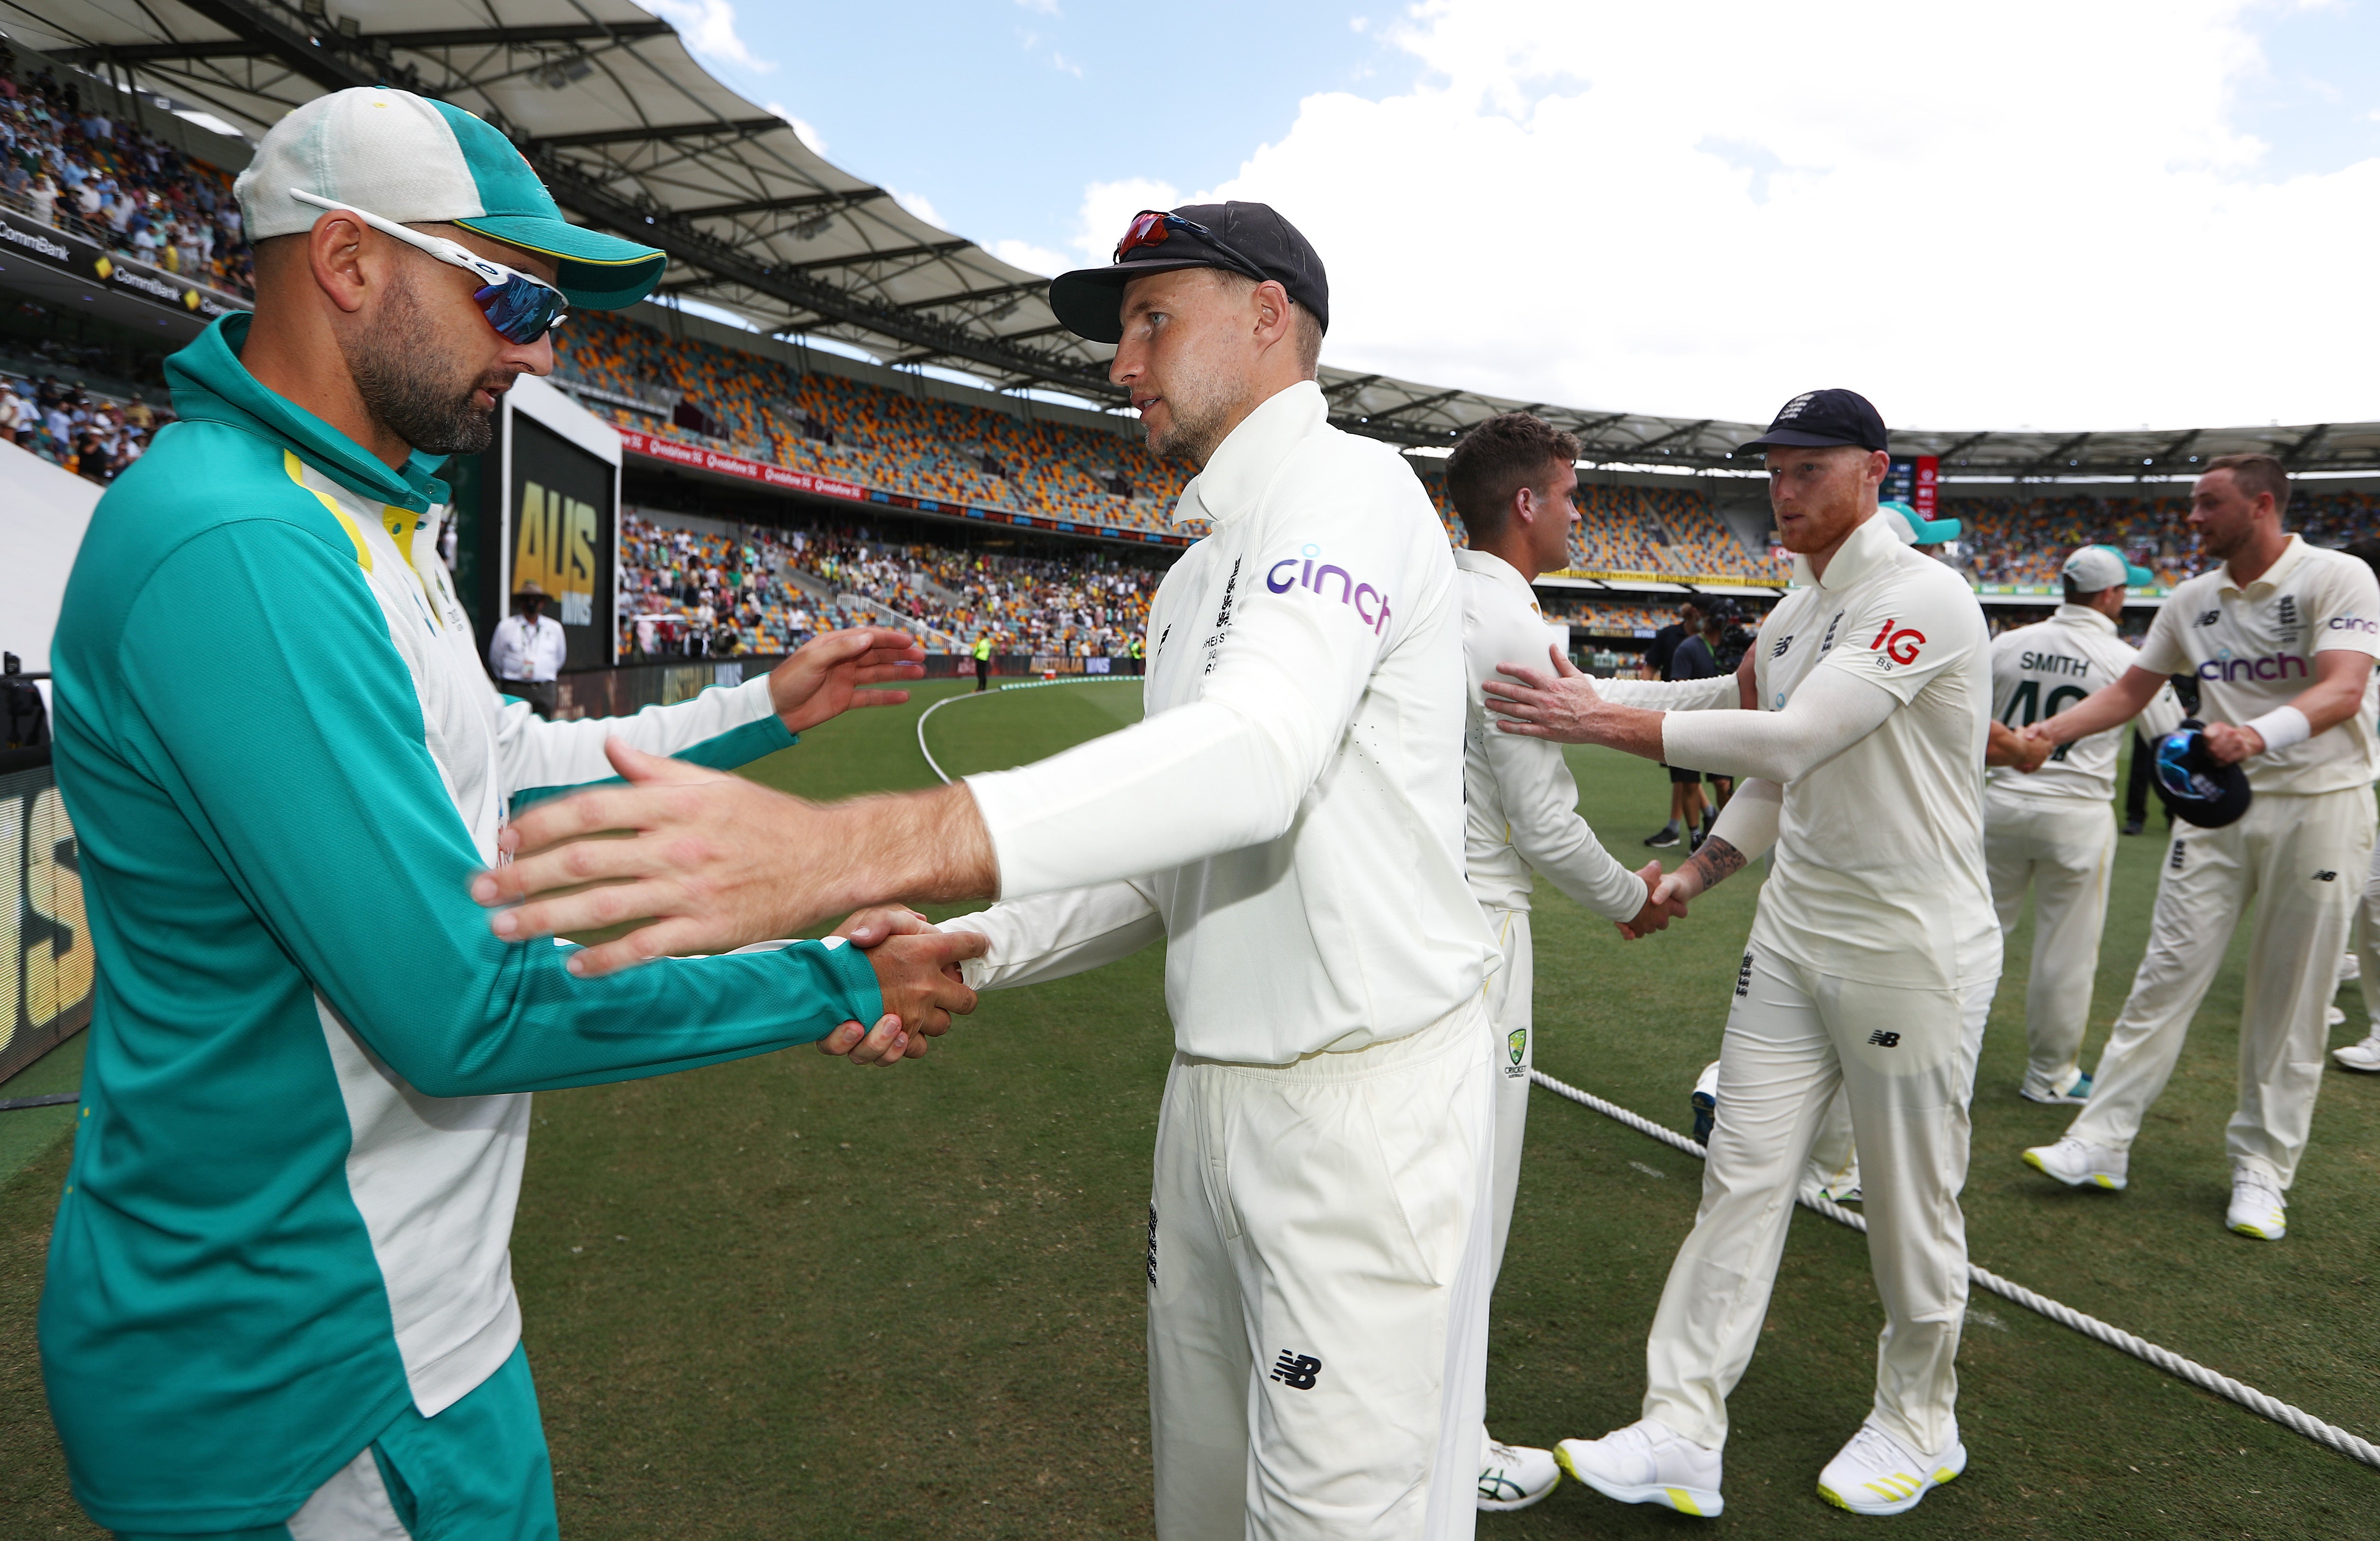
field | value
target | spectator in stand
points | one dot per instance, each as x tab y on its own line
527	652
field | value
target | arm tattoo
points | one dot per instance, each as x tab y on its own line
1716	862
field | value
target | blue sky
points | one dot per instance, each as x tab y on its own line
2027	211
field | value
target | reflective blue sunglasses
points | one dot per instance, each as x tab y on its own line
520	308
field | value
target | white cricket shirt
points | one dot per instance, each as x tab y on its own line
1878	870
1289	816
2039	671
1521	803
2252	650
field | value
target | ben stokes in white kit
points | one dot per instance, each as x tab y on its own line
1871	965
2281	637
1513	479
2053	831
1289	820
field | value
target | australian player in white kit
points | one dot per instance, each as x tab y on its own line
1513	479
1289	820
2053	831
2281	637
1872	961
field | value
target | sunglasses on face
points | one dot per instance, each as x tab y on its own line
1151	227
520	308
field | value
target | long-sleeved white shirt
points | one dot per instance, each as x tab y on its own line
518	651
1290	814
1520	802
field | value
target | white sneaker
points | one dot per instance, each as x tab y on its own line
1876	1474
2351	969
2364	1056
2257	1208
2075	1162
1648	1461
2332	1016
1514	1476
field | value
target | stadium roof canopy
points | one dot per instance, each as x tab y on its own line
632	135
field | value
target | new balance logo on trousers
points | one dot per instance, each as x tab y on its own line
1296	1371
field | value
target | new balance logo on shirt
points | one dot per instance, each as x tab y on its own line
1296	1371
2326	877
1884	1040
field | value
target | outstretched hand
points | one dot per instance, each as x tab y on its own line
1561	704
918	970
830	675
1659	909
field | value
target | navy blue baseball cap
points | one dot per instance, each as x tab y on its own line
1817	418
1250	239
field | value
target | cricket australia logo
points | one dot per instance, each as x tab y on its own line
1518	1042
1296	1371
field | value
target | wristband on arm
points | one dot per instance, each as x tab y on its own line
2281	727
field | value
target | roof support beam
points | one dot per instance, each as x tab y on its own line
2296	454
1685	430
1391	413
245	45
889	254
826	202
735	125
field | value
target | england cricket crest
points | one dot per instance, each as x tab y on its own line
1519	1040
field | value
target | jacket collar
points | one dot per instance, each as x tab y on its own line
1244	463
2271	577
2084	616
211	384
1487	565
1868	547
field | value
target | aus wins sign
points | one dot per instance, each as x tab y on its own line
46	954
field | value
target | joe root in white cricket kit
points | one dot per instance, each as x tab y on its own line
2281	637
1288	819
1513	479
1871	965
2053	831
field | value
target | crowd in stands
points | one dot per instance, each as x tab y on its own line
66	164
1624	528
93	436
690	592
758	409
2023	540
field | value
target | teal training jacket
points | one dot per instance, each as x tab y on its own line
305	1101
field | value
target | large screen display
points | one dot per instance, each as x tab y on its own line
561	536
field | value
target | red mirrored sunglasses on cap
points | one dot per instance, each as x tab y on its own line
1151	227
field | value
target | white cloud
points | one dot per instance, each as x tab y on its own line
1065	66
1032	257
1703	211
801	130
917	204
707	28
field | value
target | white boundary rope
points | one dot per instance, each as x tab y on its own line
2198	1375
936	765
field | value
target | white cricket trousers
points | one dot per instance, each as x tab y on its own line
2298	859
1511	1051
1906	1057
2064	850
1318	1292
2364	939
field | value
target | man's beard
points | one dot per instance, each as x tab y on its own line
407	386
1201	407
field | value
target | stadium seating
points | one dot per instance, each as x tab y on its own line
761	409
1639	529
762	590
64	163
2025	540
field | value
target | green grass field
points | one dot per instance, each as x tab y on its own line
788	1298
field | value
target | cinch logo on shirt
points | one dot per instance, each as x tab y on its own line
1313	577
1899	646
2354	623
2271	666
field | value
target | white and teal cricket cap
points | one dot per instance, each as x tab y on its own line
2093	569
407	158
1912	528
